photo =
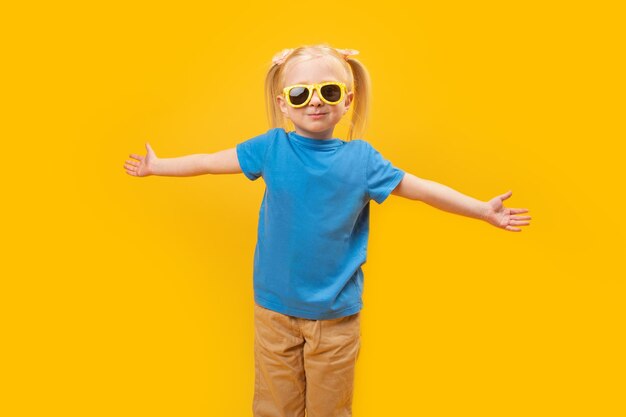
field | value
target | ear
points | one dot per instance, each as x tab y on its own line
282	105
347	101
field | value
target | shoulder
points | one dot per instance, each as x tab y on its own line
364	148
277	132
363	144
276	136
359	144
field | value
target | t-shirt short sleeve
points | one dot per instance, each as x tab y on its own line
382	176
252	152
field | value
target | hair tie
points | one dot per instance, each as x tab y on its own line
347	52
280	57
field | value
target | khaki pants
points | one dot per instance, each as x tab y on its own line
304	364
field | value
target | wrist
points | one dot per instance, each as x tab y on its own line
484	211
155	167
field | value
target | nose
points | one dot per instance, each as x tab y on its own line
315	100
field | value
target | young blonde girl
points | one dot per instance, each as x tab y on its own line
313	225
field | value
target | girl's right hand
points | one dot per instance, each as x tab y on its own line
145	166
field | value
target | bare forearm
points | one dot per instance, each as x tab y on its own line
447	199
440	196
183	166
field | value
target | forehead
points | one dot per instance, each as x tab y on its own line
314	70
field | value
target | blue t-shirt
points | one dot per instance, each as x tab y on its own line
314	220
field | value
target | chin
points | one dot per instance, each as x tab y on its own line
312	127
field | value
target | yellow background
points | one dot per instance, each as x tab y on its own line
125	296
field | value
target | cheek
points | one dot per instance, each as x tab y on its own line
338	111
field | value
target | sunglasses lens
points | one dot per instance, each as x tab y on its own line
331	92
298	95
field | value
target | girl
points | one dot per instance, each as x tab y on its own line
313	226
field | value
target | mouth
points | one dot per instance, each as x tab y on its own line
316	114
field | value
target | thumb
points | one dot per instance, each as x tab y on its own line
506	195
149	148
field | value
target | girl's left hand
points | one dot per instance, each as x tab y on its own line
502	217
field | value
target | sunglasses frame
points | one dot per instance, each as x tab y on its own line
318	88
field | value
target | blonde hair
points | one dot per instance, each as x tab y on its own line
358	80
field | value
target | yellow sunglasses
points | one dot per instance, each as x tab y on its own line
299	95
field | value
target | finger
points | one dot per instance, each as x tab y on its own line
518	210
506	195
513	229
133	163
130	167
134	155
518	223
521	217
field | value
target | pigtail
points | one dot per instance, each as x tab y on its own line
361	101
274	115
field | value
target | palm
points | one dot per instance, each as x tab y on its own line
503	217
143	164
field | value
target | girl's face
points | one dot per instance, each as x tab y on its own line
310	71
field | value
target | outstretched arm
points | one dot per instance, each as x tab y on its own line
450	200
222	162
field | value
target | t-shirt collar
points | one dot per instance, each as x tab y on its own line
322	143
